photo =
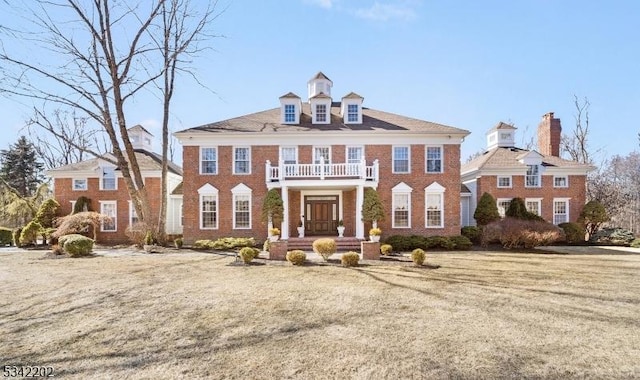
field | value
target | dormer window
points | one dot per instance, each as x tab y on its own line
351	108
290	107
352	113
321	113
532	178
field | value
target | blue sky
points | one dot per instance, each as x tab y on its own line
468	64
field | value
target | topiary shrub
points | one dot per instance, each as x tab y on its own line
350	259
30	233
461	242
77	245
573	232
248	254
418	256
635	243
386	249
472	233
486	211
612	236
16	236
296	257
325	247
6	236
518	233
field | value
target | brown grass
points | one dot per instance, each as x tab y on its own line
192	315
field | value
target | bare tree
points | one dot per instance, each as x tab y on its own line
98	56
576	144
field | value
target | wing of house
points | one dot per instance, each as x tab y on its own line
321	155
552	187
101	182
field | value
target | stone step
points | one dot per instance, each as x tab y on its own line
306	243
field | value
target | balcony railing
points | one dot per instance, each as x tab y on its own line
322	171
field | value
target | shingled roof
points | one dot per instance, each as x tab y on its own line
269	122
146	160
509	157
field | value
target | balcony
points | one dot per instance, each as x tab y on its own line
322	171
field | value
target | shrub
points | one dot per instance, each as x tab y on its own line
517	233
372	207
471	232
148	238
179	242
325	247
517	209
461	242
406	243
63	239
6	236
29	234
350	259
573	232
47	212
56	249
439	242
592	216
375	232
137	233
80	222
612	236
418	256
635	243
296	257
16	236
77	245
386	249
486	211
225	244
247	254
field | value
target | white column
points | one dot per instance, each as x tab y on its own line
284	229
359	202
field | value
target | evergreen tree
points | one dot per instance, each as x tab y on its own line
487	210
592	216
372	207
517	209
20	168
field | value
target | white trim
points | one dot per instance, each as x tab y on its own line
114	217
538	200
217	161
86	184
235	199
208	190
313	152
502	177
401	189
426	158
434	190
538	176
566	181
566	202
346	152
281	156
304	193
393	159
248	159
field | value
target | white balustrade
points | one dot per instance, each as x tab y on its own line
322	171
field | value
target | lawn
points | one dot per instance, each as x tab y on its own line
193	315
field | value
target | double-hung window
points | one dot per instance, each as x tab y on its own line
241	211
110	209
321	113
401	162
434	159
503	205
504	181
289	113
401	211
208	211
560	210
80	184
133	215
534	205
108	179
434	204
208	161
241	160
289	157
560	181
352	113
532	179
354	157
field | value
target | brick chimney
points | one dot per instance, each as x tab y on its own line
549	132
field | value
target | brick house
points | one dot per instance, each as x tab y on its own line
102	183
552	187
321	155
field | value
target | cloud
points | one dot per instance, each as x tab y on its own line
387	11
327	4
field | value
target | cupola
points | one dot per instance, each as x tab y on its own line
502	135
140	138
319	84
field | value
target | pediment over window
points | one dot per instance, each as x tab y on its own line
241	188
435	188
207	188
402	188
530	158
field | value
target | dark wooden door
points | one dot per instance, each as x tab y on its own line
323	213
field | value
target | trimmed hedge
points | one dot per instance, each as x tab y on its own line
225	243
472	233
77	245
6	236
461	243
386	249
518	233
296	257
409	243
350	259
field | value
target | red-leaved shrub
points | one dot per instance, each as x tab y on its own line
518	233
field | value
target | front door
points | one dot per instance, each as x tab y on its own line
322	214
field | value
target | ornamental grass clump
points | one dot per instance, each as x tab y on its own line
248	254
296	257
418	256
386	249
350	259
325	247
